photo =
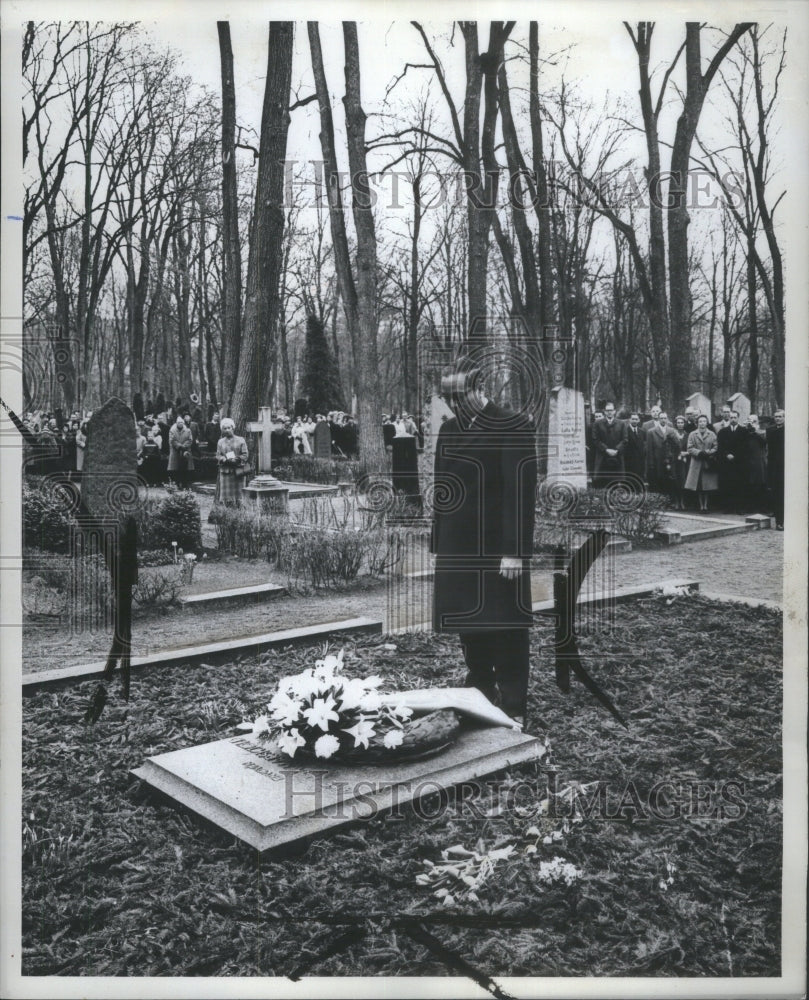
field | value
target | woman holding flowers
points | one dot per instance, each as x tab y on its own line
231	456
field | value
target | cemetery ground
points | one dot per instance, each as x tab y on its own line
748	564
679	864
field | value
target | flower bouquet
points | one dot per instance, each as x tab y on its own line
322	713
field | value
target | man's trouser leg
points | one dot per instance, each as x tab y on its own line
511	665
479	654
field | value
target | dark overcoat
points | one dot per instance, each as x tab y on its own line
635	452
732	471
775	458
608	468
662	452
483	506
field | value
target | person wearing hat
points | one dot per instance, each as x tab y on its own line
483	528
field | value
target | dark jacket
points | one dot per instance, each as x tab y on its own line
635	452
483	503
609	435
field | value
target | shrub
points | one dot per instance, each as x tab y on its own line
159	588
155	557
560	517
174	518
308	469
47	523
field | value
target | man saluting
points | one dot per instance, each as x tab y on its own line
485	481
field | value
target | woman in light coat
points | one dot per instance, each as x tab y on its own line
181	461
231	455
702	476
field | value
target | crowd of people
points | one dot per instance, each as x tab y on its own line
727	465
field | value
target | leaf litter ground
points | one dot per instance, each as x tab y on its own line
681	871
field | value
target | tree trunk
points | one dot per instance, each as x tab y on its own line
372	450
697	85
267	232
752	288
232	254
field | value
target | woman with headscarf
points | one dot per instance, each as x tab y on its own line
231	455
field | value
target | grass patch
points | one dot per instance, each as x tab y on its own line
116	882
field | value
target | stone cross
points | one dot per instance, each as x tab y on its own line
264	427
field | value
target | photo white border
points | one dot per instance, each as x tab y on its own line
795	14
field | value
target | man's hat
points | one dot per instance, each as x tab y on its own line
460	382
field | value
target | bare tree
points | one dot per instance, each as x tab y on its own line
262	304
231	248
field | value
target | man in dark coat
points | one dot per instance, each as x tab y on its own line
775	467
731	453
609	440
635	453
484	500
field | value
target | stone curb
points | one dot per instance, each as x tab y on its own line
208	652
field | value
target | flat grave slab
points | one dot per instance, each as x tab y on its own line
243	786
235	595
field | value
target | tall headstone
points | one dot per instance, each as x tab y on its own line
323	440
700	403
263	427
109	483
738	401
109	488
567	458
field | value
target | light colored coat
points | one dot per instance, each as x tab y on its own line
700	444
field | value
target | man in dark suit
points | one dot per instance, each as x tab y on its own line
775	467
483	527
635	453
731	453
609	440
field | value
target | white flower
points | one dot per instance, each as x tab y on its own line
330	664
401	711
321	713
288	742
393	738
261	725
284	709
351	694
362	732
370	702
373	681
326	745
547	841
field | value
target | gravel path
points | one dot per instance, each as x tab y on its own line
745	565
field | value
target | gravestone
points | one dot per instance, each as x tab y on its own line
700	404
244	786
405	468
323	440
567	459
109	485
263	427
738	401
109	489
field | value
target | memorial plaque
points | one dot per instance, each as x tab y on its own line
738	401
245	786
323	440
567	461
